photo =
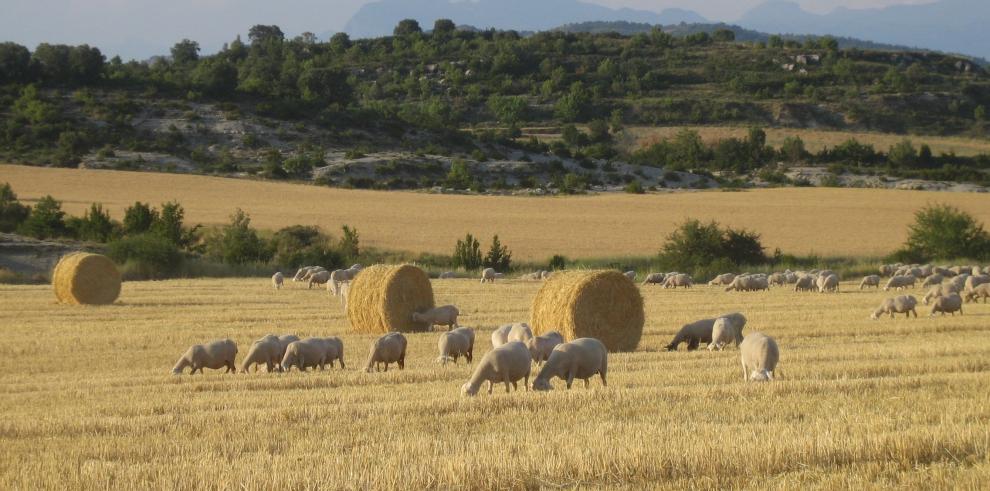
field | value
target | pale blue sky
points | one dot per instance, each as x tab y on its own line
136	27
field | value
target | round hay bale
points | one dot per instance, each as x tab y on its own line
86	279
383	298
605	305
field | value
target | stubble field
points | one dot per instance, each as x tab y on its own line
88	400
828	222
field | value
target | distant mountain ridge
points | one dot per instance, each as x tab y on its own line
957	26
379	18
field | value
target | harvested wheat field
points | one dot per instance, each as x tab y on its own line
855	222
88	401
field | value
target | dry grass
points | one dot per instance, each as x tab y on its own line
823	221
814	140
88	401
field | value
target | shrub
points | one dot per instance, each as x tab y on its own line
95	225
467	253
635	187
146	256
237	243
499	258
46	220
12	212
945	232
557	262
694	246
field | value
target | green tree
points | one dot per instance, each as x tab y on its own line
724	36
340	42
350	243
15	63
775	42
407	27
237	243
170	225
792	150
444	29
467	253
46	220
459	176
138	218
946	232
95	225
498	258
980	113
12	212
146	256
326	85
575	104
215	76
185	52
508	109
903	155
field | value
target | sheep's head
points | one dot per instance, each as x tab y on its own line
468	391
417	317
761	376
542	384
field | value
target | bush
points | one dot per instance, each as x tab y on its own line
557	262
695	246
146	256
945	232
46	220
237	243
499	258
12	212
467	253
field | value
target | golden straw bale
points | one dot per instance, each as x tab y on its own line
86	279
382	299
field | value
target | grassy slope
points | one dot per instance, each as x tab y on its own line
889	403
853	222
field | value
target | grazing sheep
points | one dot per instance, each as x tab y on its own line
303	271
454	344
578	359
313	352
760	355
278	280
958	282
871	280
540	347
699	332
268	350
937	291
438	316
828	283
655	279
900	282
724	279
340	277
948	304
887	270
214	355
904	304
982	291
507	364
545	275
488	275
805	284
631	275
777	279
534	276
313	271
319	278
749	283
508	333
724	331
390	348
826	273
680	279
447	275
975	281
935	279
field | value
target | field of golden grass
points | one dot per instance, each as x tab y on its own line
88	401
852	222
814	140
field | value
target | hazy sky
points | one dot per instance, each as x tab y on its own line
136	27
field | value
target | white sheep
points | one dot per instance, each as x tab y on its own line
725	330
698	332
488	275
319	278
313	352
900	282
214	355
871	280
982	291
947	304
654	279
507	364
268	350
507	333
631	275
454	344
759	354
540	347
447	275
678	280
829	283
975	281
390	348
578	359
341	276
932	280
805	284
278	280
303	271
749	283
904	304
724	279
445	315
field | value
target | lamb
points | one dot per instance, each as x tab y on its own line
724	332
700	331
982	291
828	283
935	279
439	316
447	275
805	284
454	344
488	275
278	280
760	355
578	359
313	352
654	279
319	278
508	333
871	280
904	304
390	348
680	279
948	304
507	364
268	350
724	279
540	347
900	282
631	275
214	355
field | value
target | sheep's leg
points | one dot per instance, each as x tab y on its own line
505	380
526	382
586	383
744	371
693	344
570	378
490	386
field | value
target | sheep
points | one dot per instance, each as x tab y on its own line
805	284
777	279
748	283
982	291
724	331
578	359
948	304
268	350
341	276
958	282
828	283
508	333
447	275
303	271
438	316
390	348
278	280
545	275
886	270
900	282
674	281
759	354
631	275
701	332
454	344
214	355
826	273
507	364
904	304
938	291
790	278
654	279
313	352
319	278
540	347
313	271
724	279
935	279
975	281
871	280
488	275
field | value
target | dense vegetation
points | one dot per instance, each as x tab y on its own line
418	90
